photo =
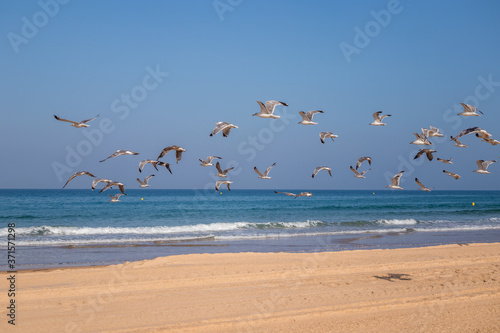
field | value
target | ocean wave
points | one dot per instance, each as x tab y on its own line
398	221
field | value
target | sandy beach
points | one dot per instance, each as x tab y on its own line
449	288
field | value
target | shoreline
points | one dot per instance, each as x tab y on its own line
433	289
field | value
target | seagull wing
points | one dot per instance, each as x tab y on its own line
116	153
263	108
86	121
270	105
258	172
226	130
66	120
376	116
310	114
218	127
304	116
419	183
396	178
420	153
178	155
147	178
354	170
269	169
322	136
218	167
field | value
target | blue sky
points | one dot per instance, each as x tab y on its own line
163	73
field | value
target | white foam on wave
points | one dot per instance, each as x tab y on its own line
398	221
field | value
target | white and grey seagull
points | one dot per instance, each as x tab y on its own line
451	174
221	182
422	187
120	152
378	118
359	174
421	140
223	126
267	111
307	117
100	180
469	110
111	184
433	131
266	173
145	182
178	153
448	161
76	124
458	143
482	133
324	135
362	159
114	198
76	174
154	163
208	162
482	165
222	173
395	181
318	169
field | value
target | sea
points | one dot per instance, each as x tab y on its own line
64	228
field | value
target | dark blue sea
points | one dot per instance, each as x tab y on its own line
58	228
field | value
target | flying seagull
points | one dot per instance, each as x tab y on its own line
318	169
488	139
76	124
358	174
208	162
111	184
114	198
433	131
378	119
222	173
451	174
421	140
76	174
118	153
482	133
99	180
290	194
220	182
445	161
154	163
266	111
427	152
265	175
362	159
145	182
304	194
395	181
324	135
224	127
307	117
178	153
469	110
482	165
422	187
458	143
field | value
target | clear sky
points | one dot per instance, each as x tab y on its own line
162	73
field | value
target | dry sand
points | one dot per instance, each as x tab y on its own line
451	288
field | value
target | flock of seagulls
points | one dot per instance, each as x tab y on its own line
267	111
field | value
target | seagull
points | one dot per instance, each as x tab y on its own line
454	175
110	185
307	117
445	161
324	135
265	175
290	194
304	194
458	143
318	169
76	124
482	133
76	174
178	153
483	165
357	174
114	198
422	187
487	139
145	182
154	163
469	110
222	173
118	153
220	182
421	140
426	151
378	119
208	162
362	159
224	127
433	131
266	111
395	181
99	180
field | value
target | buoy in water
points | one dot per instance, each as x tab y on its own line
473	204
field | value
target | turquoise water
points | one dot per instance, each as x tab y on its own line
68	223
